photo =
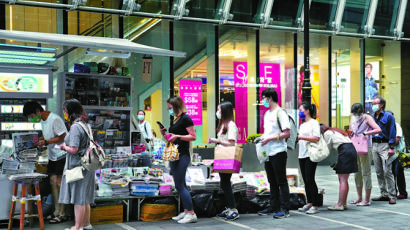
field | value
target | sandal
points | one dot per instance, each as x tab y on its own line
355	201
363	204
58	219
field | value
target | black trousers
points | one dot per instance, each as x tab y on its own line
308	169
227	188
279	189
398	172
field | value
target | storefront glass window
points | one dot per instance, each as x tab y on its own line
32	19
277	69
322	13
285	12
354	15
386	13
195	77
155	6
406	24
319	74
237	75
383	74
346	82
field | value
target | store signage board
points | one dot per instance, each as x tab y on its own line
191	94
269	78
14	108
24	83
20	126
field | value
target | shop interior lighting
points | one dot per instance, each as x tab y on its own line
20	126
20	54
108	54
14	108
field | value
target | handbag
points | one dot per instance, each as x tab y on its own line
318	151
75	174
360	142
227	159
170	152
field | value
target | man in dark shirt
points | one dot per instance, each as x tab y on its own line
383	150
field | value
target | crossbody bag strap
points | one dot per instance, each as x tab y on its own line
278	120
360	125
87	131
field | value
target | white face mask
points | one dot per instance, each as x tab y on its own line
357	117
218	115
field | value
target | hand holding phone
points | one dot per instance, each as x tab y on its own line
161	126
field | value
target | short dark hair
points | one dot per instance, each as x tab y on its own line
368	64
382	102
177	103
31	107
75	111
270	93
357	108
141	111
311	108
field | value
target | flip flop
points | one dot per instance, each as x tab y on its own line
58	219
355	201
363	204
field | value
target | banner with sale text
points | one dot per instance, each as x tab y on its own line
191	94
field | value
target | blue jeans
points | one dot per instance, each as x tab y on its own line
178	171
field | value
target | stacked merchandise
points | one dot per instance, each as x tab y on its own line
211	184
9	167
142	188
119	190
113	182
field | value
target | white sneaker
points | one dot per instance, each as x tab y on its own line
313	210
179	217
188	218
89	227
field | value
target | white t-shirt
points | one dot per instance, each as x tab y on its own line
146	130
272	129
309	128
335	139
231	133
399	130
53	127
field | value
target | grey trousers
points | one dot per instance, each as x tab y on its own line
383	170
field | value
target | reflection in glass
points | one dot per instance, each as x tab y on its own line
202	8
245	10
322	13
285	12
354	16
386	11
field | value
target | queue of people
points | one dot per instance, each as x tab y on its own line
381	134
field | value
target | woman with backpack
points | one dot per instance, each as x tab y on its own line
346	161
80	192
227	136
309	131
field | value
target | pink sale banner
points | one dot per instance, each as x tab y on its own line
191	94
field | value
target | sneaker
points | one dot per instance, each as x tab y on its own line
380	198
188	218
336	208
265	212
401	197
392	201
179	217
89	227
305	208
224	213
232	214
281	214
312	210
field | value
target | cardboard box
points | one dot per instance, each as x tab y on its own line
109	214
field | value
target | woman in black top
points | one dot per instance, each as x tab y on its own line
181	133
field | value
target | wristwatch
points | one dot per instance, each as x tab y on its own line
364	134
45	142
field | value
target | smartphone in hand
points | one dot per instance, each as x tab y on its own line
161	126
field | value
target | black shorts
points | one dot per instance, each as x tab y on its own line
56	167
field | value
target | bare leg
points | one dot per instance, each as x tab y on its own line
55	193
79	211
87	214
368	193
343	189
359	194
61	206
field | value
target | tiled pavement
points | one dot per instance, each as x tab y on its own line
380	215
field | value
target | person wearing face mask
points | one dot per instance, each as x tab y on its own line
145	128
362	124
383	148
54	132
181	133
309	131
227	136
276	130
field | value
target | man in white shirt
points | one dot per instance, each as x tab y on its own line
276	130
54	132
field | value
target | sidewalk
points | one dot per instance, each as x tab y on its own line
380	215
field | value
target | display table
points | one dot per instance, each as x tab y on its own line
140	198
